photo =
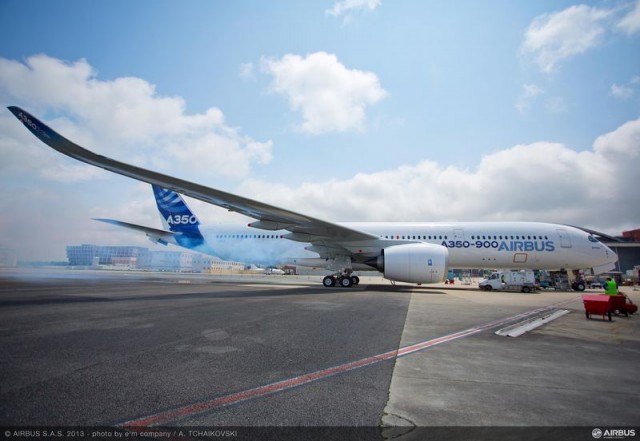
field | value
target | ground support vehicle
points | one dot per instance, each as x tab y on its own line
524	281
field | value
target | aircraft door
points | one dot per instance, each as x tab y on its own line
458	234
565	239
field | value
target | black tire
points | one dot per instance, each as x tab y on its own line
345	282
579	286
587	314
609	314
329	281
355	280
526	289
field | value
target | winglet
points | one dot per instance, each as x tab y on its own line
37	127
52	138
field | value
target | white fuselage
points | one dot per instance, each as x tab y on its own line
515	245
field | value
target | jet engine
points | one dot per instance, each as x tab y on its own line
414	263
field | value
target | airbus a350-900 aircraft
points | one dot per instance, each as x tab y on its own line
401	251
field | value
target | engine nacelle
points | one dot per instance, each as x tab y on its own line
415	263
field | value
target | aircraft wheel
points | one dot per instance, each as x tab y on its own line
346	282
355	280
329	281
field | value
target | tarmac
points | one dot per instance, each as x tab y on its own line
570	373
97	349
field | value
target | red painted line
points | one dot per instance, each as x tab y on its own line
181	412
256	392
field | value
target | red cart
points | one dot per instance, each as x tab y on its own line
619	303
597	304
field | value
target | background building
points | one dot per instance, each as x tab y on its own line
90	255
176	261
627	247
128	258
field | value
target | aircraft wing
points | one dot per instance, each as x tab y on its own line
270	217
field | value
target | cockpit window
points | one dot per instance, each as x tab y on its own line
593	239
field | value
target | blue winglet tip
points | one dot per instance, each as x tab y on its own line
37	127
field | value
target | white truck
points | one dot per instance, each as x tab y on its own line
524	281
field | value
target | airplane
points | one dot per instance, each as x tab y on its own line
412	252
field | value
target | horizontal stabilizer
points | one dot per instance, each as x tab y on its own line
155	234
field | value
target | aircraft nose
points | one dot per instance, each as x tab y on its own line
610	255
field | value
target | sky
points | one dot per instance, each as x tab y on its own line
347	110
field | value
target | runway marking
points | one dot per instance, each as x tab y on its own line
261	391
271	285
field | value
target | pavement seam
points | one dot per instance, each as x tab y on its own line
506	383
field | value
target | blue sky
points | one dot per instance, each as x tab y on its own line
347	110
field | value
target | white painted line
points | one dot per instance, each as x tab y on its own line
528	325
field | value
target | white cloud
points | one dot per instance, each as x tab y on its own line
247	70
622	92
624	142
625	91
330	97
630	23
555	105
542	181
124	117
529	93
552	38
345	6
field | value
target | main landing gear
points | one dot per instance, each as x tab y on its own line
344	280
